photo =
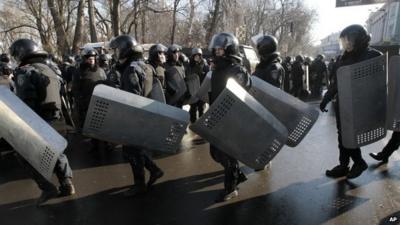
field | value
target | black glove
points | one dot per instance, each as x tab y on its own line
322	106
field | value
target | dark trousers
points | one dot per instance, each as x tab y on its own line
231	168
194	108
62	170
345	154
392	145
139	159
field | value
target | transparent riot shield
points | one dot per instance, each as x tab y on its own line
32	137
125	118
241	127
393	107
297	116
362	102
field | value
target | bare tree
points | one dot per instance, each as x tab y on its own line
62	42
92	25
78	27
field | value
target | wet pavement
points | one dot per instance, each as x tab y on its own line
294	190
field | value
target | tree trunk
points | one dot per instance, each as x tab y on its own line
62	42
115	17
92	22
176	3
78	28
213	24
190	25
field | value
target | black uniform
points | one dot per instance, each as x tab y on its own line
345	154
227	68
271	71
39	87
287	66
297	78
319	71
83	83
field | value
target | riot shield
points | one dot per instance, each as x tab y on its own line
393	109
297	116
205	87
125	118
32	137
193	85
157	92
175	80
362	102
241	127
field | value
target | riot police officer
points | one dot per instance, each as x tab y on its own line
318	72
297	76
87	76
104	62
269	69
225	50
355	41
175	86
39	87
132	69
157	60
287	66
197	69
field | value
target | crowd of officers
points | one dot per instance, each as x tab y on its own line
62	92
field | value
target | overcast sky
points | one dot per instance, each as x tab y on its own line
331	19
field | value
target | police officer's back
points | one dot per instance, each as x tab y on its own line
132	69
39	87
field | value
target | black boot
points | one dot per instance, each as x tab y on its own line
154	176
379	157
49	193
337	171
135	190
241	178
67	187
357	169
226	195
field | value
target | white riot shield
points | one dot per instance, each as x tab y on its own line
241	127
297	116
362	102
393	107
125	118
32	137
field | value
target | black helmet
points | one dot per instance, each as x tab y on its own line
88	52
174	48
320	57
24	48
126	45
226	41
104	58
69	59
266	45
154	50
288	59
354	37
299	58
4	58
197	51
